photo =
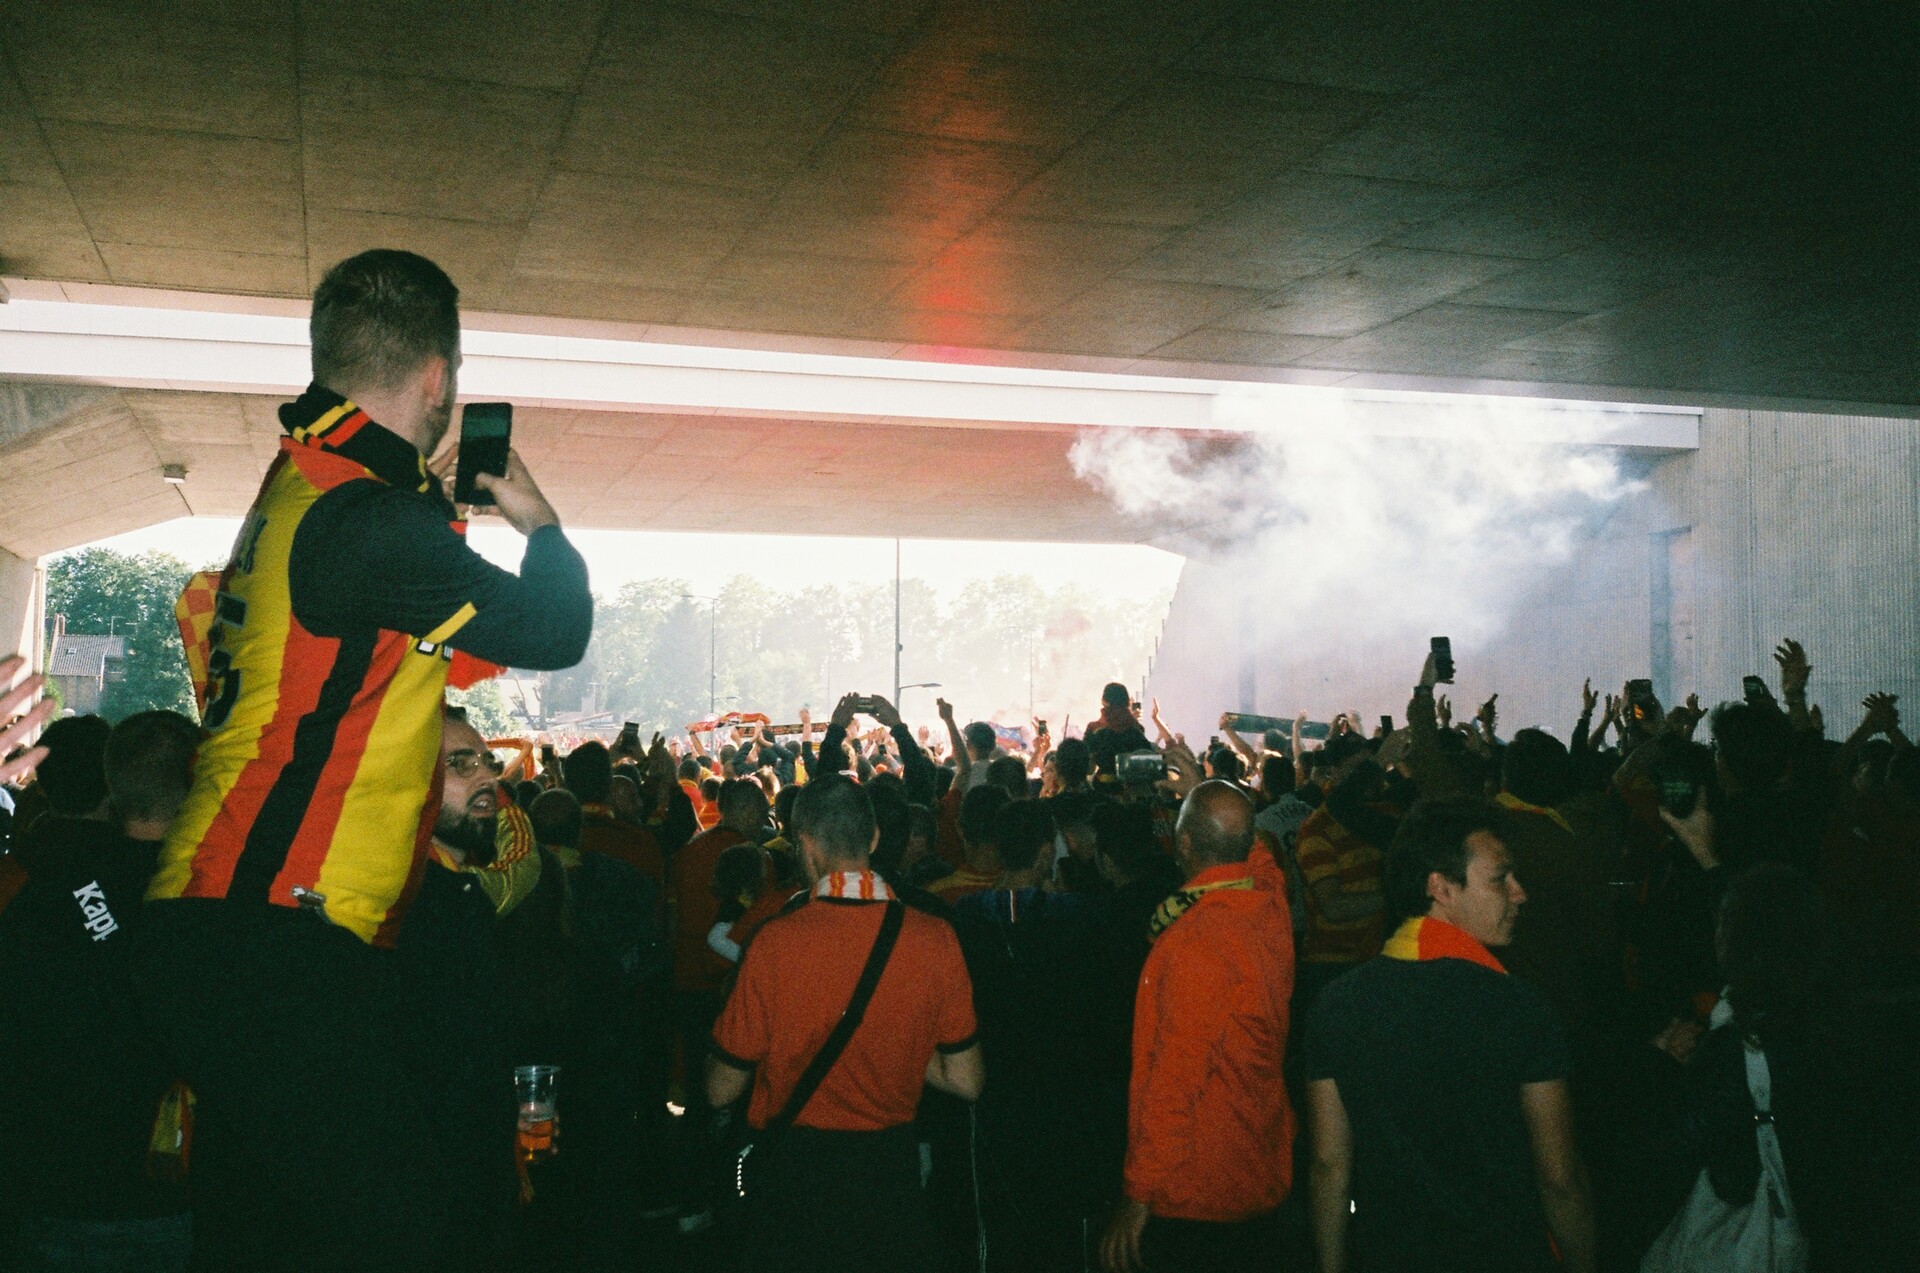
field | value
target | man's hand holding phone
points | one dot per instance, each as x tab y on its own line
517	498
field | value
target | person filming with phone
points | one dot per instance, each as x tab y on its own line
266	963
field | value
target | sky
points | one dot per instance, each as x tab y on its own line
787	562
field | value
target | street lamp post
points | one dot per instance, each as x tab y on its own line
713	648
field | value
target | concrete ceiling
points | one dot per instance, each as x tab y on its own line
1692	197
90	468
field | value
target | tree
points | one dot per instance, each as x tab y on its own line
104	592
487	709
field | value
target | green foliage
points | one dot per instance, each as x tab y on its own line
487	709
774	651
778	651
102	591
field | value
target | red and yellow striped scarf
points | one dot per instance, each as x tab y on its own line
1180	903
1424	937
856	886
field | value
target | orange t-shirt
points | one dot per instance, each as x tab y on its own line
697	910
796	980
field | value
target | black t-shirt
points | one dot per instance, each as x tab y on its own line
1429	1058
86	1078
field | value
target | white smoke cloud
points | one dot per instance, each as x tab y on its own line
1441	525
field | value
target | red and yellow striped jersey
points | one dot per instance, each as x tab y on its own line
318	781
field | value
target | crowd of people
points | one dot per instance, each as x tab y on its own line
1419	997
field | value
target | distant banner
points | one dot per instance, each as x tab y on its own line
1013	737
709	724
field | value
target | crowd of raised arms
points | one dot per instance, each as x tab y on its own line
1662	902
328	980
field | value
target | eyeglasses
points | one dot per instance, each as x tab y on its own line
468	763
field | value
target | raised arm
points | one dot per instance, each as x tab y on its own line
1883	717
1795	672
1582	739
1165	736
962	760
1238	743
916	771
833	750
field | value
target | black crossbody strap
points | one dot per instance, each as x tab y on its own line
823	1061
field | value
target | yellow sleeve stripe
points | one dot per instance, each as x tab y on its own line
460	619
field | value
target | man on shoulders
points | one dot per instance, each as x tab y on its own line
1210	1130
840	1188
1437	1084
265	954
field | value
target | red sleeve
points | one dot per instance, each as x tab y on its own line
1181	1010
954	1027
744	1032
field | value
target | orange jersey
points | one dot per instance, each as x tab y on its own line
318	781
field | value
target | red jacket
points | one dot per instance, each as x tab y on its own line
1209	1128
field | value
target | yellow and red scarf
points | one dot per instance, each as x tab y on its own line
1507	800
1424	937
515	868
855	886
1182	902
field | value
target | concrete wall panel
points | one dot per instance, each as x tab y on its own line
1796	525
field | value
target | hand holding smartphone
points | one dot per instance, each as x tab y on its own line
486	435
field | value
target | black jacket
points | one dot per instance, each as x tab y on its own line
69	1034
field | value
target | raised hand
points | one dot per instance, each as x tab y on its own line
1819	720
517	498
1183	768
945	709
14	732
1489	713
884	712
1443	710
844	711
1588	699
1684	719
1883	714
1795	671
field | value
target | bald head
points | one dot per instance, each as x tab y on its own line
1215	826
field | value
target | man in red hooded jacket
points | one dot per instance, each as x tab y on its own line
1209	1128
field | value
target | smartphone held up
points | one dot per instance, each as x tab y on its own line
486	435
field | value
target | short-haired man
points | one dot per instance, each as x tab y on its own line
1209	1127
981	865
316	790
1437	1084
840	1189
589	773
70	1034
1563	942
983	748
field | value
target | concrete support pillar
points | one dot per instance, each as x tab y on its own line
22	607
